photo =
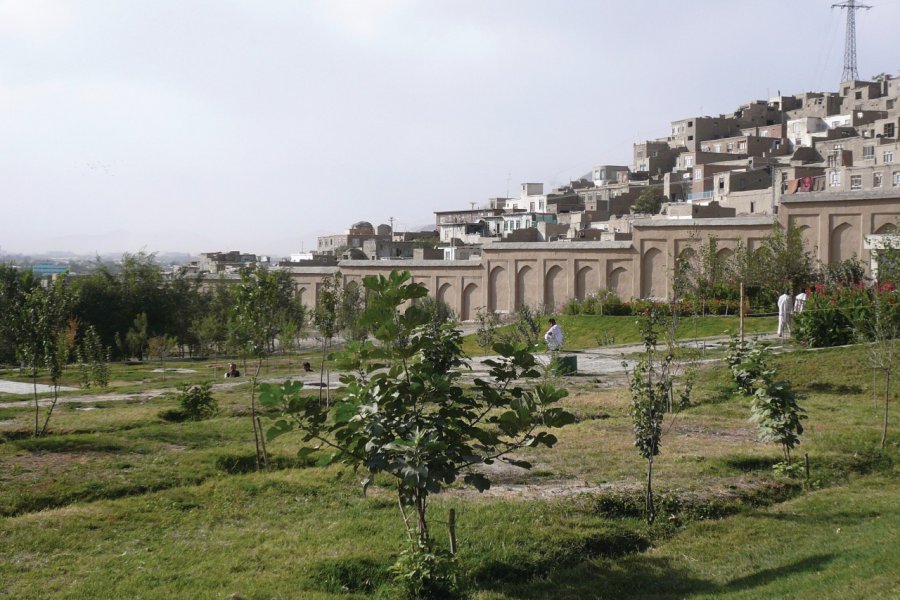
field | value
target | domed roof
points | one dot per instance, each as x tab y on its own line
363	225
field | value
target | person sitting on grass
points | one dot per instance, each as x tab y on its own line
232	371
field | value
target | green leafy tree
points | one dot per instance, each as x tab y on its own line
137	337
787	262
405	414
880	331
649	201
327	319
258	306
41	337
161	346
93	359
654	391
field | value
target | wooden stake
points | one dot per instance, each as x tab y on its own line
451	522
742	312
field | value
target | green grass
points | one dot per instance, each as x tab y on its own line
591	331
118	503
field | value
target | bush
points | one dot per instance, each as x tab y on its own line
424	573
196	401
837	315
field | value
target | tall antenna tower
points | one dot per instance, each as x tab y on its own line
850	73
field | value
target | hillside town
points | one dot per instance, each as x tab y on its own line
823	162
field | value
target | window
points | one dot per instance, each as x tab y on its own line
742	145
890	104
717	147
856	182
889	130
859	95
895	179
698	174
876	180
869	152
835	178
888	157
764	133
688	162
730	147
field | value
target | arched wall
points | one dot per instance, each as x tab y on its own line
554	288
653	274
498	290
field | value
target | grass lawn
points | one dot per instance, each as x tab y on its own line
118	503
592	331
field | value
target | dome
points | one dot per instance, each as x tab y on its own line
364	225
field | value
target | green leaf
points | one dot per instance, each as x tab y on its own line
279	428
478	481
344	411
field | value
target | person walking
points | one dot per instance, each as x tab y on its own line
785	308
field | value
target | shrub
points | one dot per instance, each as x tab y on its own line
425	573
196	401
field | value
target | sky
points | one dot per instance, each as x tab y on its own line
258	125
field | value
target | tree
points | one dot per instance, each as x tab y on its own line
649	201
787	261
258	304
41	335
881	329
404	413
327	318
136	338
654	390
93	359
161	346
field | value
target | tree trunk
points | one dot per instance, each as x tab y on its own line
36	405
887	394
50	410
648	500
261	459
421	523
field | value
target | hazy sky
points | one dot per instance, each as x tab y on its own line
202	125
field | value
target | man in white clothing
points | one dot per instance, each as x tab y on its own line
785	308
554	336
799	301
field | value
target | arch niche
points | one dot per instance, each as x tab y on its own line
619	281
445	294
886	229
653	274
554	287
839	243
585	282
467	302
498	290
525	286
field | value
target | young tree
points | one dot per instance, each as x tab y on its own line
327	319
161	346
786	259
405	414
93	359
137	337
254	321
654	390
41	338
880	331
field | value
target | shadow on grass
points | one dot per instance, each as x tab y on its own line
767	576
78	443
832	388
644	576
